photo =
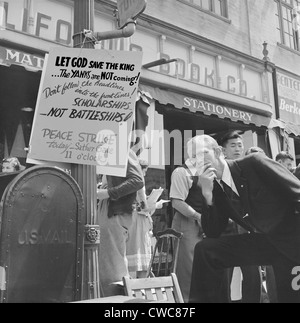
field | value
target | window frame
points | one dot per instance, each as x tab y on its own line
212	7
285	5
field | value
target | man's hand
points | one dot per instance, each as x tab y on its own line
206	180
102	194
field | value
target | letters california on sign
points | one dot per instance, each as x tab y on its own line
85	108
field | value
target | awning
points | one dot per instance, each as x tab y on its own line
30	62
288	127
198	104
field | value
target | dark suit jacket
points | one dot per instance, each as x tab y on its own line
122	190
270	195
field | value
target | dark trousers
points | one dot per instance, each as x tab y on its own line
271	285
213	256
251	284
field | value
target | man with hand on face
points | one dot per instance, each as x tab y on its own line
264	198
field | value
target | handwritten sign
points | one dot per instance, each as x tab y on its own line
85	108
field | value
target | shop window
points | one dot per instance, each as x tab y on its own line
218	7
17	110
288	27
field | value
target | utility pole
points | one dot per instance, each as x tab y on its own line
86	175
84	37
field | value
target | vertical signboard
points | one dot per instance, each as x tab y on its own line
289	98
130	9
85	108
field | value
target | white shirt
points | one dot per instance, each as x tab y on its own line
228	180
181	181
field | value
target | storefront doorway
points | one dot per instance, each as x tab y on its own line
189	124
18	92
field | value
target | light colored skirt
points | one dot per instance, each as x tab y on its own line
139	244
113	264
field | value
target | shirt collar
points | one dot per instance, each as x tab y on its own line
227	178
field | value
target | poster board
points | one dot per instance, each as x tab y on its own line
288	97
85	108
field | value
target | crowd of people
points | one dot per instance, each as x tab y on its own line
237	209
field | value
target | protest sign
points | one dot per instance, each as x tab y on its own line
85	108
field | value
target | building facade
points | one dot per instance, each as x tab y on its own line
208	66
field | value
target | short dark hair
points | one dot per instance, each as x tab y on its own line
283	155
252	150
234	134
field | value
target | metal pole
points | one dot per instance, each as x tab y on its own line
86	175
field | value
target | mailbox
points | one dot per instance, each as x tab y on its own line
41	241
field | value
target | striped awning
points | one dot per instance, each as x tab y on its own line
197	104
288	127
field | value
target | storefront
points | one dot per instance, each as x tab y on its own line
28	29
200	91
191	83
22	72
288	122
184	116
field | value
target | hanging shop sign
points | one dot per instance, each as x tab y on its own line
10	56
85	108
129	9
289	98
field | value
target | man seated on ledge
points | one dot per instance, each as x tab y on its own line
263	197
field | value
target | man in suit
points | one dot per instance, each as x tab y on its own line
263	197
233	148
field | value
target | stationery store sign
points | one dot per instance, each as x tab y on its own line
85	108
